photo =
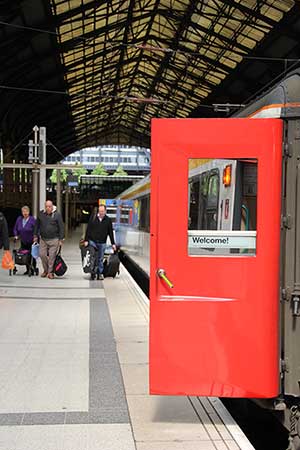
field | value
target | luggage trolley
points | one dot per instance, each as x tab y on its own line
22	257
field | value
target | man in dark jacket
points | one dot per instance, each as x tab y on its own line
4	238
49	226
99	227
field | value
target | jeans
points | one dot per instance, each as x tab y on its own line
101	249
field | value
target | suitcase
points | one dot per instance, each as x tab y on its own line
89	257
111	267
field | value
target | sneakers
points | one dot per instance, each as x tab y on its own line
101	277
51	276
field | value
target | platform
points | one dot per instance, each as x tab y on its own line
74	371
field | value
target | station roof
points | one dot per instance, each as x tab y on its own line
96	72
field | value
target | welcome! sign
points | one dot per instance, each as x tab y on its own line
222	239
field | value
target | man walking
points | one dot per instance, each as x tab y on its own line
99	227
49	226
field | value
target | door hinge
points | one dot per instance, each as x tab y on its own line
287	150
297	130
284	365
286	294
287	221
296	305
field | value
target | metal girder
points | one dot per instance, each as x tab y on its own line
69	13
122	62
72	43
145	39
174	42
123	49
200	28
251	12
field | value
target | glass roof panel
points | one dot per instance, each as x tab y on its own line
126	61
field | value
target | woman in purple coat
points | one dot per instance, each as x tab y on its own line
23	230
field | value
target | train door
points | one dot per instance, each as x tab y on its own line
290	273
213	291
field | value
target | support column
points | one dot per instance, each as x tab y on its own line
67	212
58	191
7	176
42	159
74	209
35	192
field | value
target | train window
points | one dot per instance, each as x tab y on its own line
144	220
194	188
212	201
222	207
111	211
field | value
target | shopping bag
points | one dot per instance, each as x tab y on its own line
7	261
35	250
60	267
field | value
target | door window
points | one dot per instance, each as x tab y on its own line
223	206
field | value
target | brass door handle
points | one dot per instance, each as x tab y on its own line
162	274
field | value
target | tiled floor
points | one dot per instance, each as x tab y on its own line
162	423
61	385
74	371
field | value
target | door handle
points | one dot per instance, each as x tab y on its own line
162	274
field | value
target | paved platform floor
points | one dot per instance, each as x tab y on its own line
74	371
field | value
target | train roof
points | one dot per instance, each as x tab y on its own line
281	100
138	189
283	97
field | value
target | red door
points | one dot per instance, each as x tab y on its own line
215	332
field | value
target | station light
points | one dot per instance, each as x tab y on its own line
227	175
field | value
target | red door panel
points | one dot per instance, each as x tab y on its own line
215	333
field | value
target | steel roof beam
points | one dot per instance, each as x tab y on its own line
166	58
123	50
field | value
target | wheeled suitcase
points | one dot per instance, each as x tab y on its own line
89	257
111	267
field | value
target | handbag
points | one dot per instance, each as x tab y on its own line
60	267
7	261
111	267
22	257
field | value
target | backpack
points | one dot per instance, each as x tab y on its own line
60	267
89	259
111	267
